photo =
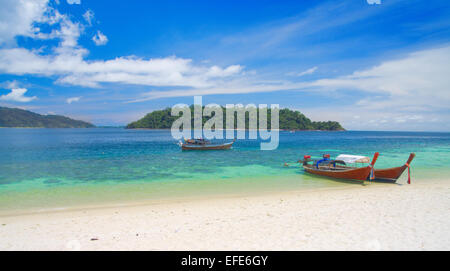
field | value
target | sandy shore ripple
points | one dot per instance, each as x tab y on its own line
372	217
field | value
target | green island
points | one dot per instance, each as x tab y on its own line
19	118
289	120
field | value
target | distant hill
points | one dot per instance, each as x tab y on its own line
14	117
289	120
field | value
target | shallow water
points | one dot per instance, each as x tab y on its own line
52	168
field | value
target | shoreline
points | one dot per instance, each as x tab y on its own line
372	217
45	198
179	199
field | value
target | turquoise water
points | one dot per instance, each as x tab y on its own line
51	168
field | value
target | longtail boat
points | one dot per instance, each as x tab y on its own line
392	174
338	168
202	144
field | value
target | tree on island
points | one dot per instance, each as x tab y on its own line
289	120
15	117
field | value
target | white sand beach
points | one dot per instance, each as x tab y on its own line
371	217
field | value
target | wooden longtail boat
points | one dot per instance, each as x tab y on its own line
201	145
338	168
392	174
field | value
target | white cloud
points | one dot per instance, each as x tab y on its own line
63	28
308	71
100	39
418	81
216	71
374	2
402	90
410	93
88	16
73	2
9	84
357	118
69	33
17	95
72	69
404	82
17	18
73	99
239	86
67	63
414	82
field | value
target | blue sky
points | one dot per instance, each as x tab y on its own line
370	64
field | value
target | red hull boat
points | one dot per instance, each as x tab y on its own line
392	174
331	169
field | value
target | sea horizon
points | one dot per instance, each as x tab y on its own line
168	129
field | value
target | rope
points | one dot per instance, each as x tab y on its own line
409	173
371	173
289	164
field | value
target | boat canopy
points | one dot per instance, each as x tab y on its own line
347	158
